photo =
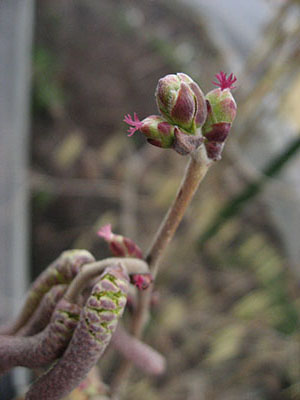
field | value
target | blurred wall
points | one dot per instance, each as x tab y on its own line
16	20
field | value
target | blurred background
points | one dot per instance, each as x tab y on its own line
227	318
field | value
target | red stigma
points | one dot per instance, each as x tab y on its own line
135	124
141	281
225	82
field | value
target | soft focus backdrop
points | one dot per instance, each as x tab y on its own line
227	315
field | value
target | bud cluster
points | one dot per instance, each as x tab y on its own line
187	117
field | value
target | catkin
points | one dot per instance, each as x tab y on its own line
98	321
61	271
42	349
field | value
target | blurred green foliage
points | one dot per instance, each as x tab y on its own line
48	94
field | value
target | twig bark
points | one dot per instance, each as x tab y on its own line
195	172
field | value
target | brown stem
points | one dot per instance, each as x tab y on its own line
92	270
195	172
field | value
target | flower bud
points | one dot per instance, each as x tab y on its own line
141	281
119	245
221	112
157	130
122	246
185	144
221	109
214	150
181	101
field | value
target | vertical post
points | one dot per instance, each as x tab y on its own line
16	26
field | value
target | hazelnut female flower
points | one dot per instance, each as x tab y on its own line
122	246
188	119
181	101
142	281
221	112
157	130
119	245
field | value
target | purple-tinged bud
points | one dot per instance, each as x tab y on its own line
185	144
221	108
221	112
214	150
119	245
157	130
181	101
141	281
122	246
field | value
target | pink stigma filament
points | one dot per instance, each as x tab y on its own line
105	232
225	82
135	124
